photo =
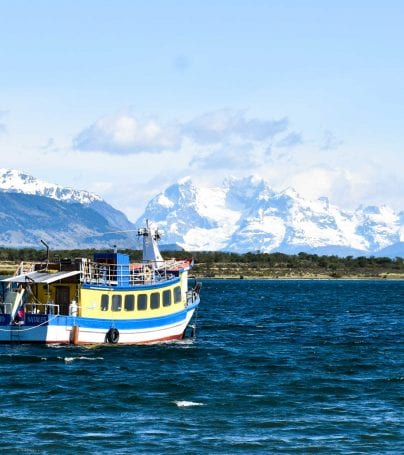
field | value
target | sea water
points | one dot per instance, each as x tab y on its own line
276	367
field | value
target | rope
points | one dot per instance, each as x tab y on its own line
29	328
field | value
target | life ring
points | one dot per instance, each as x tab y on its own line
112	336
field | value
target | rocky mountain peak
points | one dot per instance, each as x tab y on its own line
12	180
247	215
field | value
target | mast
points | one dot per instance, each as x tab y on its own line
151	252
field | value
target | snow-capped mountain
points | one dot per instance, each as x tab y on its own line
241	215
32	210
247	215
15	181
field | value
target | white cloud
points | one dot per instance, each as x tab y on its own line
226	124
126	134
224	159
349	186
321	180
124	170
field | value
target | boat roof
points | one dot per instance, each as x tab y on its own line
41	277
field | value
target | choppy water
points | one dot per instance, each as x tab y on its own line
277	367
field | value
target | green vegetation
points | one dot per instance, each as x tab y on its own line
302	265
249	265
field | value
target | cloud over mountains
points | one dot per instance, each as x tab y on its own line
126	133
213	144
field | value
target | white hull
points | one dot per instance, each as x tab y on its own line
80	334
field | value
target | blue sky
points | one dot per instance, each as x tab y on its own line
124	98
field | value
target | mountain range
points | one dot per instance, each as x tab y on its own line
32	210
248	215
241	215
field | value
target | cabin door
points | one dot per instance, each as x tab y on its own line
63	299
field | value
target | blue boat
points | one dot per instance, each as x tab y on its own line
106	299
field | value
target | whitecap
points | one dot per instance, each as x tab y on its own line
72	359
186	342
184	404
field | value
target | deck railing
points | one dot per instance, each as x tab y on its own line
34	308
104	274
41	308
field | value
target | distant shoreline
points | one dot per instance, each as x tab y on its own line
281	271
252	272
313	278
382	277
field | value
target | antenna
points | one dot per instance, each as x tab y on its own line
47	252
151	251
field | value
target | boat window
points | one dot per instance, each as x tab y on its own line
142	302
177	294
116	303
129	302
155	300
167	297
104	302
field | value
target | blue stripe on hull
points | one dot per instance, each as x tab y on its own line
123	324
58	329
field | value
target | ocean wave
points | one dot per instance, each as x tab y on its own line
185	404
293	386
81	357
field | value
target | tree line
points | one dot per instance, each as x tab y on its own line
298	261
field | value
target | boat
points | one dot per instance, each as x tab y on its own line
103	300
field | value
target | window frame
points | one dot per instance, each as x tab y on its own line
104	299
177	294
155	300
129	298
144	305
116	303
167	292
